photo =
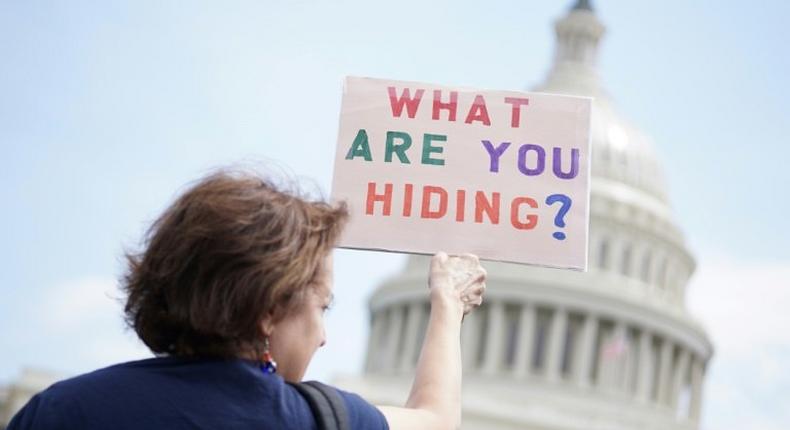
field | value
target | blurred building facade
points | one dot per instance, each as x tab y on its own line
613	348
17	393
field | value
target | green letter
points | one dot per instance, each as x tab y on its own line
427	149
360	147
399	150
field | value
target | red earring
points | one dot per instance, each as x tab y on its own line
268	365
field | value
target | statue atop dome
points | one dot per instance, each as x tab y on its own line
583	5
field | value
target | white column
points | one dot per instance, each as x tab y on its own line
665	367
526	338
697	375
559	324
394	324
678	377
470	340
645	367
495	345
583	359
373	361
409	346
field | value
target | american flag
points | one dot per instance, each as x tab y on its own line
614	348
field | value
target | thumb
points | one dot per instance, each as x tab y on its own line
438	260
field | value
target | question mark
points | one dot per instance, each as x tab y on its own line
558	220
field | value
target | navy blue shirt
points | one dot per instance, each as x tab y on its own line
175	393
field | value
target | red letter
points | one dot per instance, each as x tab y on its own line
407	192
532	220
427	191
460	205
405	99
491	208
437	104
516	102
386	198
478	112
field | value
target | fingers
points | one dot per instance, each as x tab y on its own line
482	274
468	259
468	263
472	302
477	276
473	292
471	257
476	303
475	299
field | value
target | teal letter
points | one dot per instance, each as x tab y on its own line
427	149
360	147
399	150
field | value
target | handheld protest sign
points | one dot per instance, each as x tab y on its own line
501	174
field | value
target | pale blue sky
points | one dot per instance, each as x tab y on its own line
108	108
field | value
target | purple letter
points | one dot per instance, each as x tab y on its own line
557	165
522	159
495	153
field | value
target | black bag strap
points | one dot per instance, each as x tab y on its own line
328	407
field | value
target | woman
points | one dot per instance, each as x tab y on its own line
229	294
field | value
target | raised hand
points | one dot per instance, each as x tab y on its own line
457	281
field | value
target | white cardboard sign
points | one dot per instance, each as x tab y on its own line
501	174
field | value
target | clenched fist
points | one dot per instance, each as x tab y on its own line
457	281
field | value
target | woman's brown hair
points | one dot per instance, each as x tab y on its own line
230	251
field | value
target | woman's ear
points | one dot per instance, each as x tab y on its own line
267	325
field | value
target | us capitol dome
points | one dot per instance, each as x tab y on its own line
613	348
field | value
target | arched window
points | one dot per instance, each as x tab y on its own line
482	334
542	323
655	360
632	359
625	262
604	332
512	313
603	254
661	280
644	274
571	343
